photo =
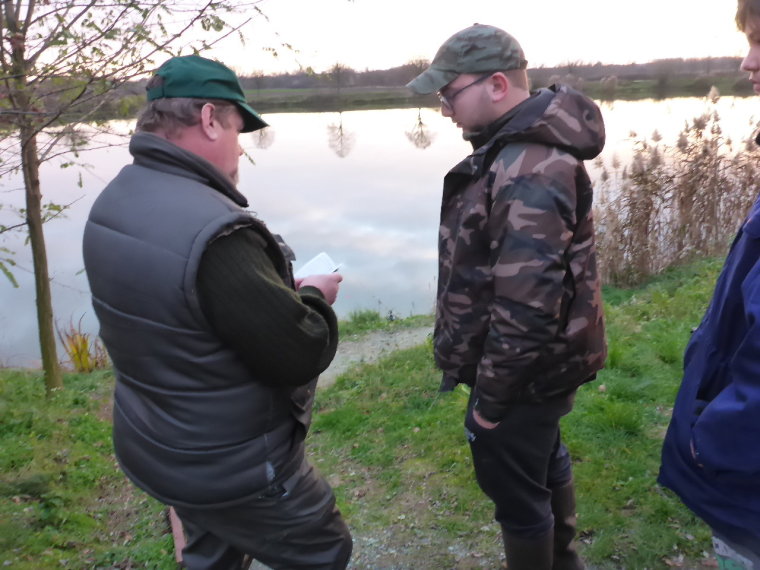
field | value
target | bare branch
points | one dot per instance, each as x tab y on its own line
4	229
63	22
29	12
121	36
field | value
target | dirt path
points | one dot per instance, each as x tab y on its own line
370	348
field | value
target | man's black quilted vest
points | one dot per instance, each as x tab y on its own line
192	426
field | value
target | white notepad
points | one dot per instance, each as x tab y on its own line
320	264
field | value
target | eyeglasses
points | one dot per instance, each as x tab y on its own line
448	100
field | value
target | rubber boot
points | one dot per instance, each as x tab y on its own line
563	509
528	554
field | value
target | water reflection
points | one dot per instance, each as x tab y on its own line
373	207
420	135
340	140
379	222
263	138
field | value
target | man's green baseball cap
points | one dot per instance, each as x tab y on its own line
196	77
477	49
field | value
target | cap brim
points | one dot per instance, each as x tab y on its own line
251	119
432	80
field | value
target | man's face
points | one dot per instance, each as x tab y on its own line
465	101
751	61
227	152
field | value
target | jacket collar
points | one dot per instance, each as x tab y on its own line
516	120
157	153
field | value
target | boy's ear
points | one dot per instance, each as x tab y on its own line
499	86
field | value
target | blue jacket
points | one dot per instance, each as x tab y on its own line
718	406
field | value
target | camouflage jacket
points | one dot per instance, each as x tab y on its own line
519	311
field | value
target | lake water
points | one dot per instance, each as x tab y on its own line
363	186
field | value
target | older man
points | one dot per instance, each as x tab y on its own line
215	348
519	313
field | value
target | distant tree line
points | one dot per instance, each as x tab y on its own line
338	73
667	77
674	67
540	76
598	79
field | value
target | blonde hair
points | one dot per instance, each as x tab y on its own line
745	10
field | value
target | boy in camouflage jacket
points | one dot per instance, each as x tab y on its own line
519	311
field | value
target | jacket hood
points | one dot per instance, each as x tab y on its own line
556	116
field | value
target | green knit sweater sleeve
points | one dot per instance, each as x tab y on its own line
286	338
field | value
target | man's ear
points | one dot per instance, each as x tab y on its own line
209	123
498	86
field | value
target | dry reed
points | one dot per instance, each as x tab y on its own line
86	353
673	203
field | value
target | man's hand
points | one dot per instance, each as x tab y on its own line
482	422
328	284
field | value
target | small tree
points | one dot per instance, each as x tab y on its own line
63	63
339	75
412	69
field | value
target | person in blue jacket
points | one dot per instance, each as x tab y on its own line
711	453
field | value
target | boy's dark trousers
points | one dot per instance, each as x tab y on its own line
525	469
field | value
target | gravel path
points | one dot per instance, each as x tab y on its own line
369	552
371	347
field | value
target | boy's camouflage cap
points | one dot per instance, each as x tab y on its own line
477	49
196	77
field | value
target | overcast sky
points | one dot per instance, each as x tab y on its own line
378	34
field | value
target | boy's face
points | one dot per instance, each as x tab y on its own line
465	103
751	61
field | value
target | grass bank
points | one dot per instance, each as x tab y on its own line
63	501
331	99
362	322
316	99
664	87
392	447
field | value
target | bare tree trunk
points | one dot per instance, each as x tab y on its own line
56	58
31	168
30	163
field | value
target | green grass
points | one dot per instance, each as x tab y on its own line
409	470
393	448
667	86
63	501
361	322
328	98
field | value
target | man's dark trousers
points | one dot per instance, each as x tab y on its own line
295	525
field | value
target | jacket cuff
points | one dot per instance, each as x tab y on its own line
310	290
488	411
448	382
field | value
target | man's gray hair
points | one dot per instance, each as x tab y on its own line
172	115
